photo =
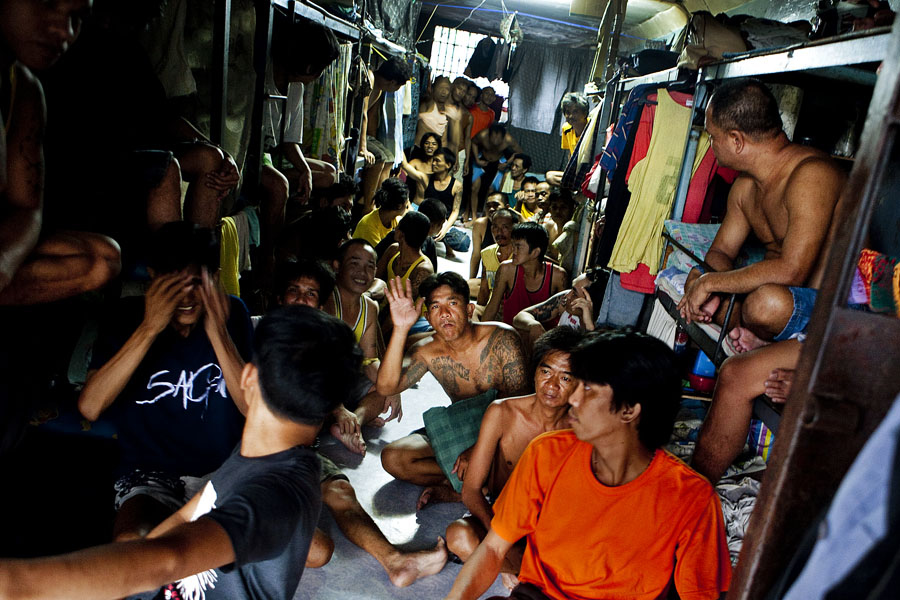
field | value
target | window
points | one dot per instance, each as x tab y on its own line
452	49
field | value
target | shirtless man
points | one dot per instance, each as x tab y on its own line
435	117
786	196
378	152
488	147
463	126
466	358
36	268
507	428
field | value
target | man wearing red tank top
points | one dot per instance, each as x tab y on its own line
526	278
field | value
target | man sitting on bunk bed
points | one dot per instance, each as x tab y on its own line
787	196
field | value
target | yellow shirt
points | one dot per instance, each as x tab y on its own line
370	228
569	139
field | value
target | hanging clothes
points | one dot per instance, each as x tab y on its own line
539	76
625	125
652	185
324	106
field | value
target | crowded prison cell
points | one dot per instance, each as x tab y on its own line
531	299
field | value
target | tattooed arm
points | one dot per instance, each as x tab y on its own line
22	199
529	322
504	359
392	377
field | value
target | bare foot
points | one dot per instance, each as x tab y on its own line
353	441
743	340
437	493
778	384
509	580
407	567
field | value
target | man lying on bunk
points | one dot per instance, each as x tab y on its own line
607	513
309	283
785	196
35	265
247	533
506	429
474	361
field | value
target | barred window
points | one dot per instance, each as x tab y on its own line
452	49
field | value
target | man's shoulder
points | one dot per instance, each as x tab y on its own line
493	330
554	443
681	478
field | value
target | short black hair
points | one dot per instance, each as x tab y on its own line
395	69
434	209
505	200
534	234
414	226
449	156
558	339
179	244
342	250
564	195
526	160
497	128
640	369
291	271
392	194
321	234
530	179
746	105
307	360
454	281
304	47
344	186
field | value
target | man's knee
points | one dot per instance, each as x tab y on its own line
461	538
106	260
769	306
201	159
274	182
320	550
338	495
395	459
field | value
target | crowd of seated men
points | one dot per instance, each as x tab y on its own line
218	490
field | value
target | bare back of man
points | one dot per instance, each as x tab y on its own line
786	197
466	358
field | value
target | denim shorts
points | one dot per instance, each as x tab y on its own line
804	301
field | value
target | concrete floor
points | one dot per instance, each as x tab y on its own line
352	573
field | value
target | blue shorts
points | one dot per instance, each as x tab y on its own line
804	301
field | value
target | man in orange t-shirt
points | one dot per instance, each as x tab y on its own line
606	512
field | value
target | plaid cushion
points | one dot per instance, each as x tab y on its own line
454	429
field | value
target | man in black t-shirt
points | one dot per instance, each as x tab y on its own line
247	533
166	369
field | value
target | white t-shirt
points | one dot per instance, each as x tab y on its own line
293	130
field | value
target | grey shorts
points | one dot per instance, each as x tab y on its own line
330	470
170	490
382	153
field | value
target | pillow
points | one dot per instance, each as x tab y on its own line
453	429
